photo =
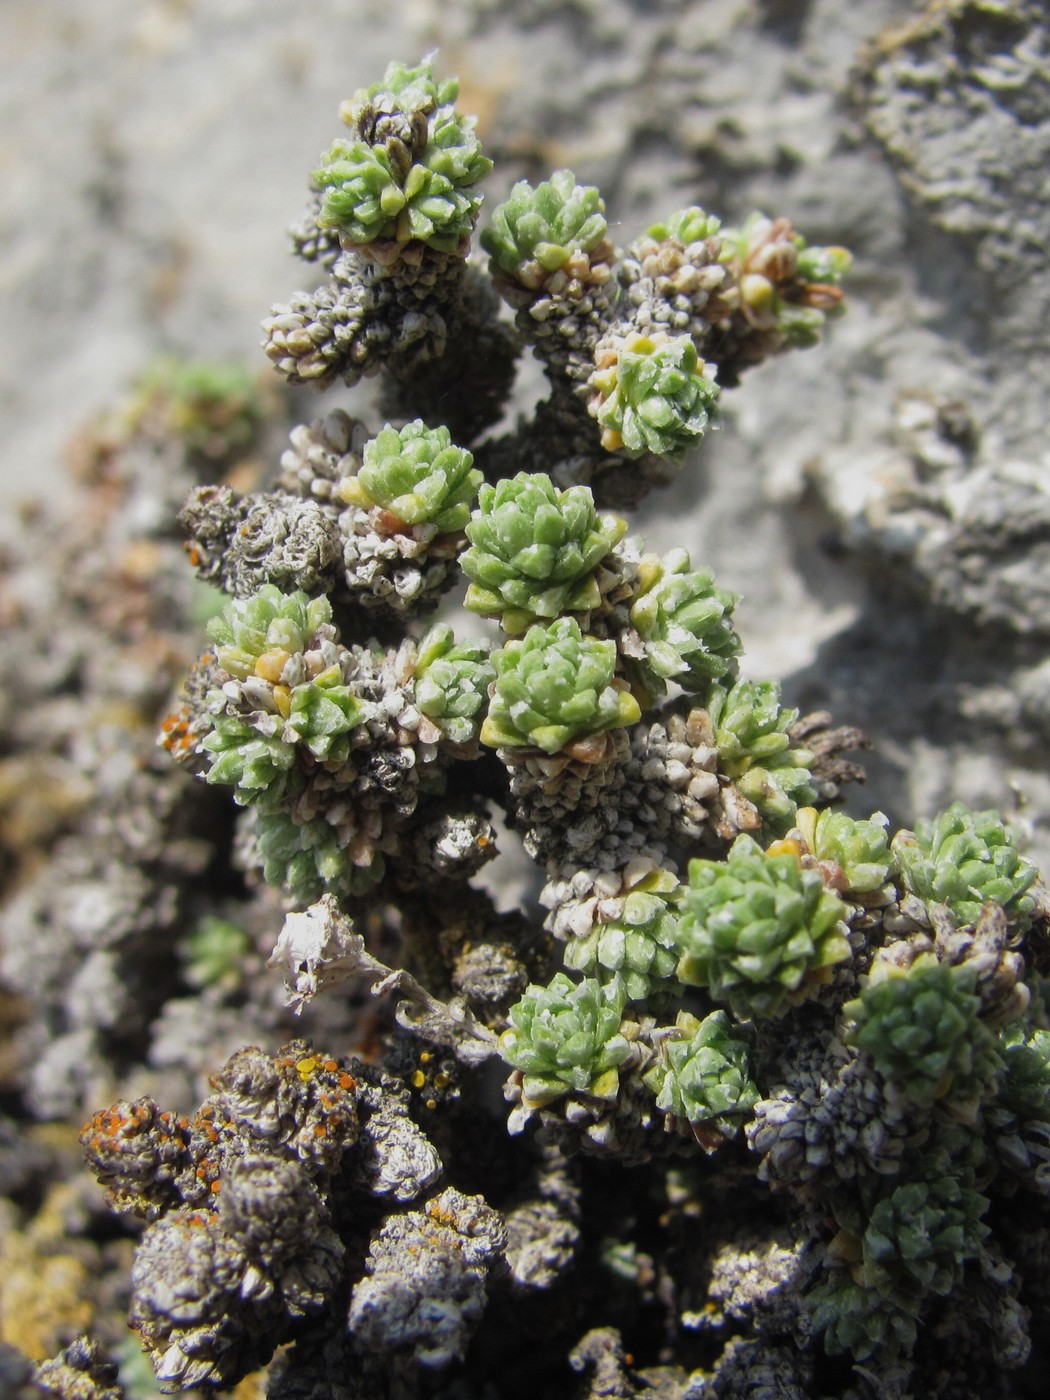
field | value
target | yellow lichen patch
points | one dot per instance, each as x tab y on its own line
306	1066
253	1387
44	1294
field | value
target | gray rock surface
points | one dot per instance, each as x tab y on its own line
881	502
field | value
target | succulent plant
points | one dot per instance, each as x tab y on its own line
306	860
215	953
213	407
885	1121
964	859
651	393
322	714
856	849
259	629
686	226
452	682
565	1038
534	549
417	475
702	1074
919	1236
783	283
755	750
414	85
828	265
758	931
913	1245
257	766
637	950
683	622
920	1026
859	1320
1025	1086
403	180
554	686
538	228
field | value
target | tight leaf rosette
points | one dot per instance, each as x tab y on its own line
702	1076
919	1237
759	931
413	85
539	228
307	860
322	714
259	767
637	949
921	1028
651	393
408	179
859	1320
686	226
854	852
259	634
965	859
755	750
915	1243
452	683
287	695
683	624
565	1038
553	687
534	549
785	286
417	476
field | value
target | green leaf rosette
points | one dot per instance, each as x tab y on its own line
683	622
638	950
702	1075
856	850
759	931
554	686
652	393
452	682
267	622
534	550
408	171
755	750
966	859
418	475
538	228
566	1038
920	1025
